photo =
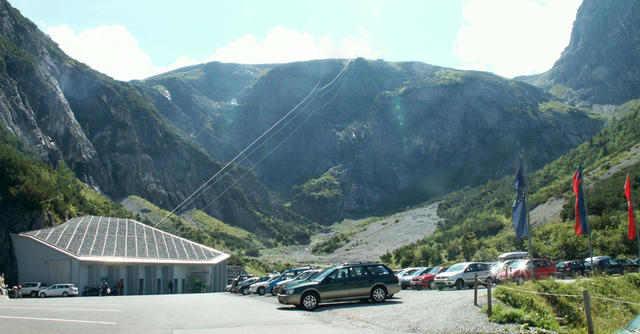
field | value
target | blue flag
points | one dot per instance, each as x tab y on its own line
519	206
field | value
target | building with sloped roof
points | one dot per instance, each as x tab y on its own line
90	250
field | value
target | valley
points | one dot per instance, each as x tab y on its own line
402	161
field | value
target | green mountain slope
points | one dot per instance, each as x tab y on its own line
115	140
384	136
34	195
477	221
195	225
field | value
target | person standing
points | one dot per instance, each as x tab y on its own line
2	286
120	286
171	286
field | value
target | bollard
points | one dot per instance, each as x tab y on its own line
587	311
489	310
475	290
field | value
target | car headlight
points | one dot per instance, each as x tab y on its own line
289	292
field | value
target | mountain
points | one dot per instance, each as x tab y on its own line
116	141
477	222
368	137
600	64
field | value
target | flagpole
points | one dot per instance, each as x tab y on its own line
586	221
526	205
634	216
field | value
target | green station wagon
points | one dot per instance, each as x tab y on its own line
350	281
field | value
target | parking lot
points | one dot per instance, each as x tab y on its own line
409	312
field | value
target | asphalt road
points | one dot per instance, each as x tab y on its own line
409	312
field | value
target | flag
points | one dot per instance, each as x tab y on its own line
519	205
581	210
632	215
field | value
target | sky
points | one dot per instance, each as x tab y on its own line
136	39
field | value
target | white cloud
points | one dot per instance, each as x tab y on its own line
108	49
115	51
514	37
286	45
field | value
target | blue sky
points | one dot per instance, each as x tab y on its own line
139	38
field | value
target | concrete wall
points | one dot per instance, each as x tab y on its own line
39	263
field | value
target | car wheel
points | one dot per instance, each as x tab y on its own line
378	294
418	287
274	292
261	291
65	294
244	291
42	294
309	301
431	285
34	294
520	280
459	284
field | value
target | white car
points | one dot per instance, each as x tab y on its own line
462	275
64	290
32	288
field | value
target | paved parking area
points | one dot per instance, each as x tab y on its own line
409	312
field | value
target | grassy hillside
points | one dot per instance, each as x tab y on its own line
197	226
564	314
477	221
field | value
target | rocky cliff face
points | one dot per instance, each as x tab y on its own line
382	136
600	64
111	137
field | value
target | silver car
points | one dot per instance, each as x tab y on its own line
462	275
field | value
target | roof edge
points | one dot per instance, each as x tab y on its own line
119	259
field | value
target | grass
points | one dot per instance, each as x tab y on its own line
566	314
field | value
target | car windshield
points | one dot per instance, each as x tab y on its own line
518	264
497	266
434	270
456	268
274	278
410	272
325	273
305	275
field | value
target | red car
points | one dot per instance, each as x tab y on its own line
519	271
426	280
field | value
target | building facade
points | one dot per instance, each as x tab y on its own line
90	250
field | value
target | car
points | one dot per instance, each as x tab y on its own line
286	275
303	276
462	275
496	269
63	289
426	280
571	268
627	265
233	288
32	288
603	264
405	271
520	271
362	281
243	287
405	280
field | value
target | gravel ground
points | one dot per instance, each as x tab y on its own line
385	234
411	311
